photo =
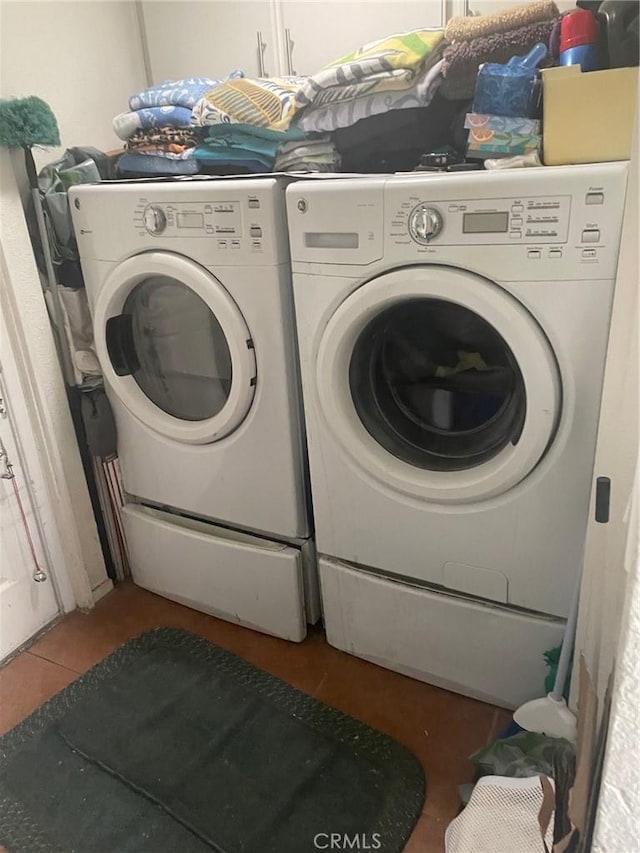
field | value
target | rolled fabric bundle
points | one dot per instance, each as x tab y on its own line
465	29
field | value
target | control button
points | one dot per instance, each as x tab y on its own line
594	198
556	253
222	244
588	253
209	229
515	235
453	208
254	203
235	244
155	220
534	254
516	222
255	231
208	208
425	223
590	235
517	208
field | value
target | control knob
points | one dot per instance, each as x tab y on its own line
155	220
425	223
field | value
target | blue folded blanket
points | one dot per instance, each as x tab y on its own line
180	93
126	124
146	164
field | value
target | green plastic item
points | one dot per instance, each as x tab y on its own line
551	658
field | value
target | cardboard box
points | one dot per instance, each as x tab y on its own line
588	118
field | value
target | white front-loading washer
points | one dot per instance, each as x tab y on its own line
189	287
453	331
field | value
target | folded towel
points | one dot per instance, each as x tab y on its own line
469	28
232	156
154	165
184	136
181	93
387	64
126	124
462	60
316	154
333	116
264	102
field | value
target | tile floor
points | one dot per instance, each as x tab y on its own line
439	727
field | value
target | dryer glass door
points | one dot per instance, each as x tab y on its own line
175	348
439	383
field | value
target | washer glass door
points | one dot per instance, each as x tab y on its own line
175	348
438	383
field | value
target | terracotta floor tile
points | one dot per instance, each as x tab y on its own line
440	728
27	682
83	639
428	836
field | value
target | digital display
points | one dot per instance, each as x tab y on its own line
188	219
485	223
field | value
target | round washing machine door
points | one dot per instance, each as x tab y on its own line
439	383
175	348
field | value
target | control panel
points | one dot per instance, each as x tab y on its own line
221	221
541	219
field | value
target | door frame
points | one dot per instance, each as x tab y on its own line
35	385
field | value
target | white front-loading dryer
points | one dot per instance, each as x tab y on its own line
453	332
190	291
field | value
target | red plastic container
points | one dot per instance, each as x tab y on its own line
577	28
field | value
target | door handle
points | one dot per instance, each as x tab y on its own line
289	44
262	46
121	345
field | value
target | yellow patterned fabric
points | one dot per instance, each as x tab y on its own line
263	102
392	63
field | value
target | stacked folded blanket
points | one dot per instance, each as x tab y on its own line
315	154
398	72
248	128
157	130
242	147
264	102
491	38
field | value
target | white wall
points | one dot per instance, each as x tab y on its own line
82	58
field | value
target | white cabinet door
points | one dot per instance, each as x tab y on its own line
196	38
321	32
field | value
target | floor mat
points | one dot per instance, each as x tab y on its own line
174	744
